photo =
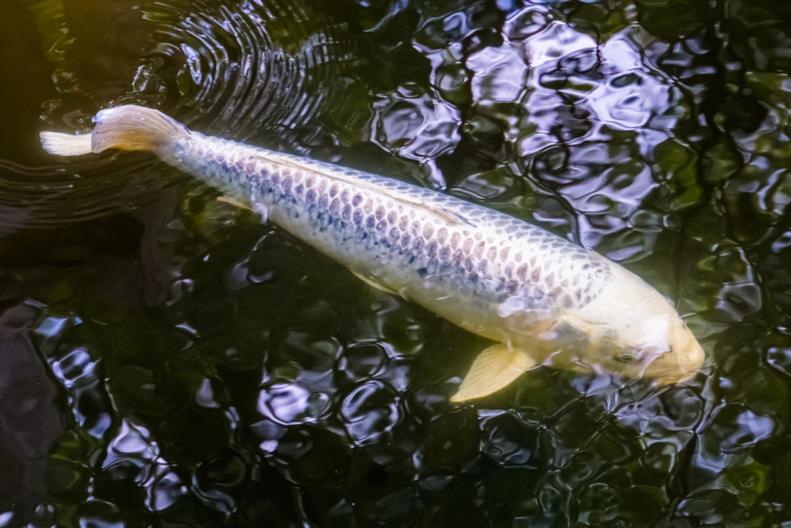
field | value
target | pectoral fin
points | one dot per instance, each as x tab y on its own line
234	202
596	336
374	284
493	369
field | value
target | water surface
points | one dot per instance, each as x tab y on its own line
168	360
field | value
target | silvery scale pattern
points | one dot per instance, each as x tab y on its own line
388	228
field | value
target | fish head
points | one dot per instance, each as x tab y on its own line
657	347
645	336
682	361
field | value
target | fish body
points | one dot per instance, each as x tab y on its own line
499	277
481	269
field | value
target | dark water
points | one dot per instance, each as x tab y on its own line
166	360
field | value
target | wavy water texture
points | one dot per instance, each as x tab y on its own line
244	69
212	370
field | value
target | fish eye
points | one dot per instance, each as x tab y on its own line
642	354
632	356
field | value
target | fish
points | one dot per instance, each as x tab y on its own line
539	298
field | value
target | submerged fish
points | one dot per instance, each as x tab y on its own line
534	294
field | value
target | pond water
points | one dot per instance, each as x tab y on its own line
168	360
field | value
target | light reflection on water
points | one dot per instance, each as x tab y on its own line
182	363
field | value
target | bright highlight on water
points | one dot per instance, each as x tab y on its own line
541	298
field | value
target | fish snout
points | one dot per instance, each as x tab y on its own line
680	362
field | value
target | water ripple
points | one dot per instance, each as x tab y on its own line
241	69
212	370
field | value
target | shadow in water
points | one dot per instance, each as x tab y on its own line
30	419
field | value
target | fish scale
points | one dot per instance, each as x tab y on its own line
484	254
528	290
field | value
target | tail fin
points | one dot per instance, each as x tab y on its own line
127	127
66	144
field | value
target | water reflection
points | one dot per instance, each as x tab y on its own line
214	370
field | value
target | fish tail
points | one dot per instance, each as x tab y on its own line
128	127
61	144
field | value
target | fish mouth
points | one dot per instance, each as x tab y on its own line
681	364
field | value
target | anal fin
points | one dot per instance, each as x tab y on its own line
494	368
